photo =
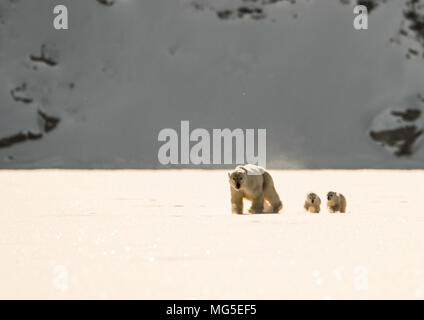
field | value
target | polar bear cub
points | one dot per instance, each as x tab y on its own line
312	203
255	184
336	202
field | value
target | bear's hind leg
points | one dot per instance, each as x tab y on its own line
343	205
272	197
257	204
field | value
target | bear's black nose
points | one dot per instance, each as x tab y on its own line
312	200
328	198
238	185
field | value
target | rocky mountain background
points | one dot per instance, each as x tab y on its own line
97	95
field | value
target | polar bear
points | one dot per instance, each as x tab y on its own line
336	202
255	184
312	203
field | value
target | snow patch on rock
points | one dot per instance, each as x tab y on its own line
399	130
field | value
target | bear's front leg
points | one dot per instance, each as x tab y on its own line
236	201
257	204
312	209
276	207
332	209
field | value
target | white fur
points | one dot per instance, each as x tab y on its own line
254	170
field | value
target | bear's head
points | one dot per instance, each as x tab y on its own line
237	179
311	197
332	197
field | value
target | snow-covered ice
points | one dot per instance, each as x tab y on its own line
170	234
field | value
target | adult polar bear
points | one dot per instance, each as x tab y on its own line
255	184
